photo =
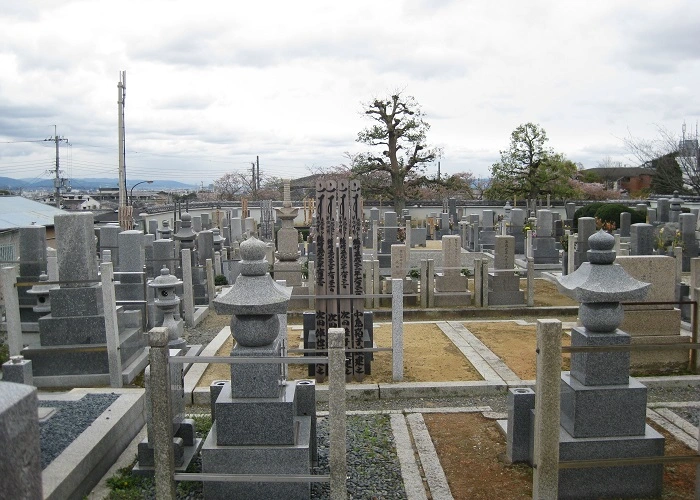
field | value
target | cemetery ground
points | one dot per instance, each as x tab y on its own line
465	433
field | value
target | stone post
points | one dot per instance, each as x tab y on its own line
376	282
423	283
528	244
545	480
478	284
164	458
336	412
530	282
52	264
485	282
678	254
397	328
211	291
311	282
12	317
571	253
187	294
111	325
431	283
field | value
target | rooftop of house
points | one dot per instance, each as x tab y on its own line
17	211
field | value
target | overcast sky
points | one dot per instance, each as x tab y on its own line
212	84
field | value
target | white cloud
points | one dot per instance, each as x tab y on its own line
212	84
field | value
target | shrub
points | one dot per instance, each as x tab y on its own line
586	211
220	280
610	212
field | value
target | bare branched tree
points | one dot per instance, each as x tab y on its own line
674	160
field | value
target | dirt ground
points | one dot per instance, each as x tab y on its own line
472	453
514	344
443	362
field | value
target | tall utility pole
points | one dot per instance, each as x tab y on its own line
257	163
121	97
125	210
58	182
254	185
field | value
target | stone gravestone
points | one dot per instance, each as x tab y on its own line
687	224
451	284
663	208
517	223
20	454
625	221
544	244
474	244
488	231
586	228
72	337
655	324
109	240
287	266
32	264
389	238
641	239
258	426
503	283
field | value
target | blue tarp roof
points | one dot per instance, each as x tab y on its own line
16	211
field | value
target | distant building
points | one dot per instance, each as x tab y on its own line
15	212
630	179
75	201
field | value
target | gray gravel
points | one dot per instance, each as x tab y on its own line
69	421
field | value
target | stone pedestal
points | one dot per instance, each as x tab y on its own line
262	425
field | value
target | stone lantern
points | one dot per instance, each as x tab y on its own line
166	232
675	207
43	295
167	303
186	235
261	419
218	240
603	409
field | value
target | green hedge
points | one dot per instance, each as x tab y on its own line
609	212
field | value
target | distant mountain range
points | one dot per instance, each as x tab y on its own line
90	184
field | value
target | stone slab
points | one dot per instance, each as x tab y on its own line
262	421
657	322
252	380
271	459
72	330
597	411
600	368
616	482
661	360
84	301
81	465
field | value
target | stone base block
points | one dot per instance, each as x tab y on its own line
660	361
604	368
262	421
278	459
252	380
84	301
451	283
19	373
68	330
611	482
605	410
452	300
146	456
289	271
501	298
651	322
